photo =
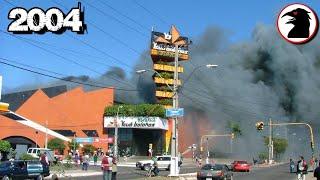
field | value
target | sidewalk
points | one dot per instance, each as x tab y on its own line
75	173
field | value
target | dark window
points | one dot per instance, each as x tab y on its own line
91	133
13	116
212	167
67	133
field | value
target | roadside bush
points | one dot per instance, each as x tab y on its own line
56	144
26	156
5	146
88	149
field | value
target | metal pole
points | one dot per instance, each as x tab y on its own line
116	134
46	143
208	153
231	145
270	141
174	170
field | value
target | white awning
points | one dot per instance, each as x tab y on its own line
20	119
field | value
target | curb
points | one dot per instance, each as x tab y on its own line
75	175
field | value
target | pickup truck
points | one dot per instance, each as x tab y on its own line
23	170
163	163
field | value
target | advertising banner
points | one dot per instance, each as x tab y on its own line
136	122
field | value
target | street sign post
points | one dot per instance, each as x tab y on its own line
179	112
85	140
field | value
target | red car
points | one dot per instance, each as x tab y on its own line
241	166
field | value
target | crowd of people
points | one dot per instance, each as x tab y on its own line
301	168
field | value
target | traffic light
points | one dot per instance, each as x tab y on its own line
4	107
232	135
259	125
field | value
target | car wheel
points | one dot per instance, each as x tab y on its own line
168	168
6	177
40	177
146	167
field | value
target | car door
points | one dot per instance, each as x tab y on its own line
19	170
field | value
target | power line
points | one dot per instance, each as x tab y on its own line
151	13
62	79
117	20
122	14
62	57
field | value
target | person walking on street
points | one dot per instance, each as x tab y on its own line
291	166
106	166
302	168
114	168
95	159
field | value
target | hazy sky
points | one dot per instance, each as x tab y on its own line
128	23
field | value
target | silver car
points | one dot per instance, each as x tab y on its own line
215	171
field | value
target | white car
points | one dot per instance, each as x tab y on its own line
163	163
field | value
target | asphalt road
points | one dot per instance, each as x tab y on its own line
273	173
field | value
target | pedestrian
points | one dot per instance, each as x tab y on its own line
316	173
44	159
95	159
316	162
106	166
302	168
114	168
85	162
291	166
312	163
150	152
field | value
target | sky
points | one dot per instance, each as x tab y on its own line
119	31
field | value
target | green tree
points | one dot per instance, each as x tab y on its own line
5	146
57	144
279	145
88	149
263	155
235	128
73	145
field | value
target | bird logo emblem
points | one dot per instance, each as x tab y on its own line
297	23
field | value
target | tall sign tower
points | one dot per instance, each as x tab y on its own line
167	49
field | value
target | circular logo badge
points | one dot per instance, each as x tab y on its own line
297	23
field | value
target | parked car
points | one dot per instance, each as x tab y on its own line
241	166
36	152
215	171
163	163
23	170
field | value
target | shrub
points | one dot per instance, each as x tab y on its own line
136	110
5	146
26	156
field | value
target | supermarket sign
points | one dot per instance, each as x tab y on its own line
136	122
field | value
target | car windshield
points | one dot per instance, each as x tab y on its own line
212	167
242	162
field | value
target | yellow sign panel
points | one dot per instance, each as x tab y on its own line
4	107
168	54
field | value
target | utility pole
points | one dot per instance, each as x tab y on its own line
116	133
46	142
270	146
174	169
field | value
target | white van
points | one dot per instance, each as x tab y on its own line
36	152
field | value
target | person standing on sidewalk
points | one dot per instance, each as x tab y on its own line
85	162
291	166
114	168
106	166
95	159
316	173
302	168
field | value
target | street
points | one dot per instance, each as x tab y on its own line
267	173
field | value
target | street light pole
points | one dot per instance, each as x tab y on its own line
116	134
174	169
